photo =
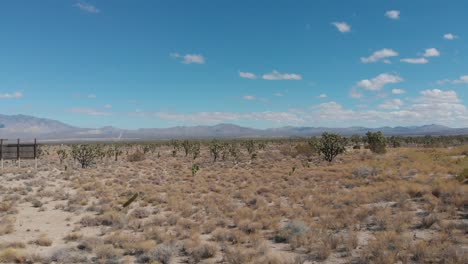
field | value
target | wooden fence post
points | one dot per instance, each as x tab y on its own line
35	154
18	153
1	153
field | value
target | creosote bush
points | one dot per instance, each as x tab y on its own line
377	142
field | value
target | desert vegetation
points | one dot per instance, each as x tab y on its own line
328	199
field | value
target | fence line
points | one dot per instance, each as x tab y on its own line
17	151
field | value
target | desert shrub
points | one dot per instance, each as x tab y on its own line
365	172
68	255
137	156
306	150
199	251
237	255
291	230
162	254
429	220
10	255
6	225
43	241
140	213
377	142
331	145
463	176
108	253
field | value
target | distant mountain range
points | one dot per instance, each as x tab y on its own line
28	127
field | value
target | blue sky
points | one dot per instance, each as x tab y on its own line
335	63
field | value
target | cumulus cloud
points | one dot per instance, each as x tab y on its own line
462	80
432	52
322	96
249	97
415	60
279	94
438	96
450	36
393	14
343	27
398	91
380	55
431	106
247	75
88	8
189	58
379	82
89	111
393	104
15	95
275	75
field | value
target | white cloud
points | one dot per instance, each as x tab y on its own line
398	91
279	94
91	96
393	104
438	96
249	97
380	55
343	27
432	106
322	96
108	106
432	52
450	36
189	58
88	8
15	95
415	60
463	79
379	82
393	14
247	75
89	111
275	75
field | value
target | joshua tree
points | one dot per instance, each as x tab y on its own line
62	154
215	149
249	146
195	150
234	151
187	147
331	145
86	154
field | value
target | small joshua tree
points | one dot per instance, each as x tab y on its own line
195	169
195	150
215	149
331	145
234	151
249	146
62	154
187	147
377	142
85	154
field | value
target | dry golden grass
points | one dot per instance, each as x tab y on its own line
403	206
